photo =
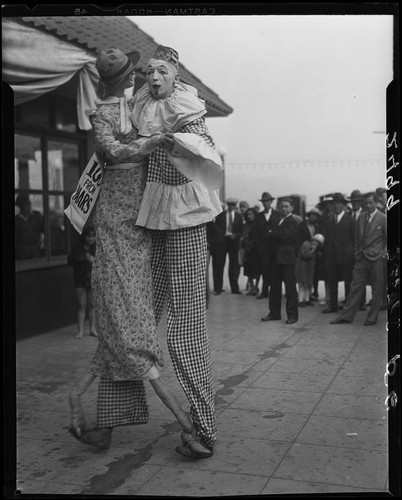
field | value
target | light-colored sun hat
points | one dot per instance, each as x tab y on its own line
320	238
313	211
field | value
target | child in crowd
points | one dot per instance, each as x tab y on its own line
81	259
304	270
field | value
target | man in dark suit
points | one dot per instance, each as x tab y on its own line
370	253
264	222
382	194
356	198
340	252
285	238
228	231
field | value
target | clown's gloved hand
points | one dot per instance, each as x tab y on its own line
167	141
156	141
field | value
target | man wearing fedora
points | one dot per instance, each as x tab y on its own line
340	253
264	222
382	195
356	198
370	254
229	229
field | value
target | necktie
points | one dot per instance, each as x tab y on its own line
366	224
230	223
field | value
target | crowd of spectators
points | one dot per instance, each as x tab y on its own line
341	239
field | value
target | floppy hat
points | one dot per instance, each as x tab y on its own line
266	196
113	65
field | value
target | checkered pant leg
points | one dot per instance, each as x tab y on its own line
121	403
184	253
159	272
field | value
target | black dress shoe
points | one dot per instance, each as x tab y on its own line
237	292
270	318
362	308
291	321
329	310
339	321
217	293
261	296
369	323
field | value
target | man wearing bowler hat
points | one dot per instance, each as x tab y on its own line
340	253
230	226
265	221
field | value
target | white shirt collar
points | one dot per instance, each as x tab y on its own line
267	215
280	222
339	216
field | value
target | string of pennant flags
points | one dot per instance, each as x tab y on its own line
305	164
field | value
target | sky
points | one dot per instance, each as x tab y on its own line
305	90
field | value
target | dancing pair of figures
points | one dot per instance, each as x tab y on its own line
159	189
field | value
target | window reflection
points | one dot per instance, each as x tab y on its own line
27	162
29	227
58	233
63	165
65	116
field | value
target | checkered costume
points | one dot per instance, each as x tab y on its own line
121	403
179	259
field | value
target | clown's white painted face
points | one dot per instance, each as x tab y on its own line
161	77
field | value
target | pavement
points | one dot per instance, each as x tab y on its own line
300	409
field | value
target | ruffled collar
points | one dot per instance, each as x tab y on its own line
151	116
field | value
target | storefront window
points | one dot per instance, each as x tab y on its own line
27	162
47	165
29	226
63	165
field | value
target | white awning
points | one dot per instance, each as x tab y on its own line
35	62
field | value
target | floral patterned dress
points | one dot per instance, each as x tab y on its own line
121	274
